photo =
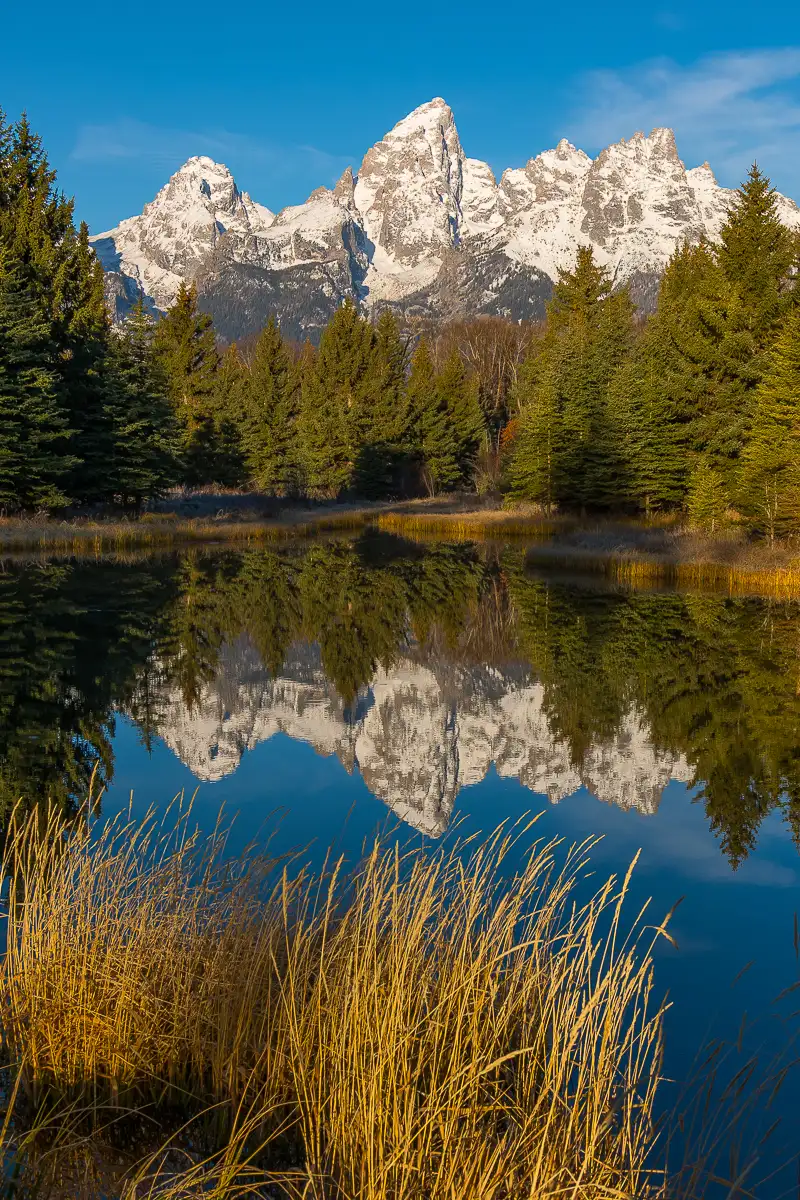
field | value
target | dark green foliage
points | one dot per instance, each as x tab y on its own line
334	411
756	254
421	394
458	396
657	394
429	424
146	443
228	408
534	470
706	350
707	497
769	479
338	395
67	413
444	420
34	438
85	380
381	422
186	349
568	448
271	403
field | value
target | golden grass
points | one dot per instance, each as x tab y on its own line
779	582
467	526
435	1025
154	531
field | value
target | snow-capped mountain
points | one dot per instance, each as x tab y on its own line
417	735
178	231
421	226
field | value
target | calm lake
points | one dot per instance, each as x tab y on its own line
374	683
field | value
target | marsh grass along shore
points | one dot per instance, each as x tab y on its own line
435	1025
634	553
424	1025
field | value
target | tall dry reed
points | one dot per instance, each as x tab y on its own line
445	1024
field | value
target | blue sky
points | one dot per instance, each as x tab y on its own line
287	95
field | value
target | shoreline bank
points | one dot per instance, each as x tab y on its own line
629	552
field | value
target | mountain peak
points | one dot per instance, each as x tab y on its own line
664	140
409	189
422	225
435	114
204	163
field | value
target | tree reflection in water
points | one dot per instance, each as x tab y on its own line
420	664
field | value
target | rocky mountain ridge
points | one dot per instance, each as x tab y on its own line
421	227
418	734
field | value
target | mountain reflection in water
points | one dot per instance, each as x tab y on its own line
418	666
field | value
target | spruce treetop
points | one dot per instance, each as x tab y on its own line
578	291
757	253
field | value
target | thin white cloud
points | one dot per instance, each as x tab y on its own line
671	21
136	141
728	108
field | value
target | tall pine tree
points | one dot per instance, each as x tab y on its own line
757	254
589	333
769	478
146	437
707	497
34	437
380	421
88	402
58	271
333	396
459	399
271	413
430	437
186	348
534	469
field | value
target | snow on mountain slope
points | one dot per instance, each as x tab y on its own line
415	737
177	230
421	226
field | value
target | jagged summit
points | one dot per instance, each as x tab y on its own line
178	230
436	114
420	226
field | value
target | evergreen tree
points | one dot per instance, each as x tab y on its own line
420	393
58	271
654	398
458	397
568	450
430	435
334	389
698	368
36	225
707	498
381	419
185	345
87	345
534	467
146	439
272	406
228	407
769	483
757	254
34	458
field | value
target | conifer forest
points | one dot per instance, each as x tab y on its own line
694	409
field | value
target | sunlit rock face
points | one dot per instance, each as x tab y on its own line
417	734
420	226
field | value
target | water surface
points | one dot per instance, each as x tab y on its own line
351	683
